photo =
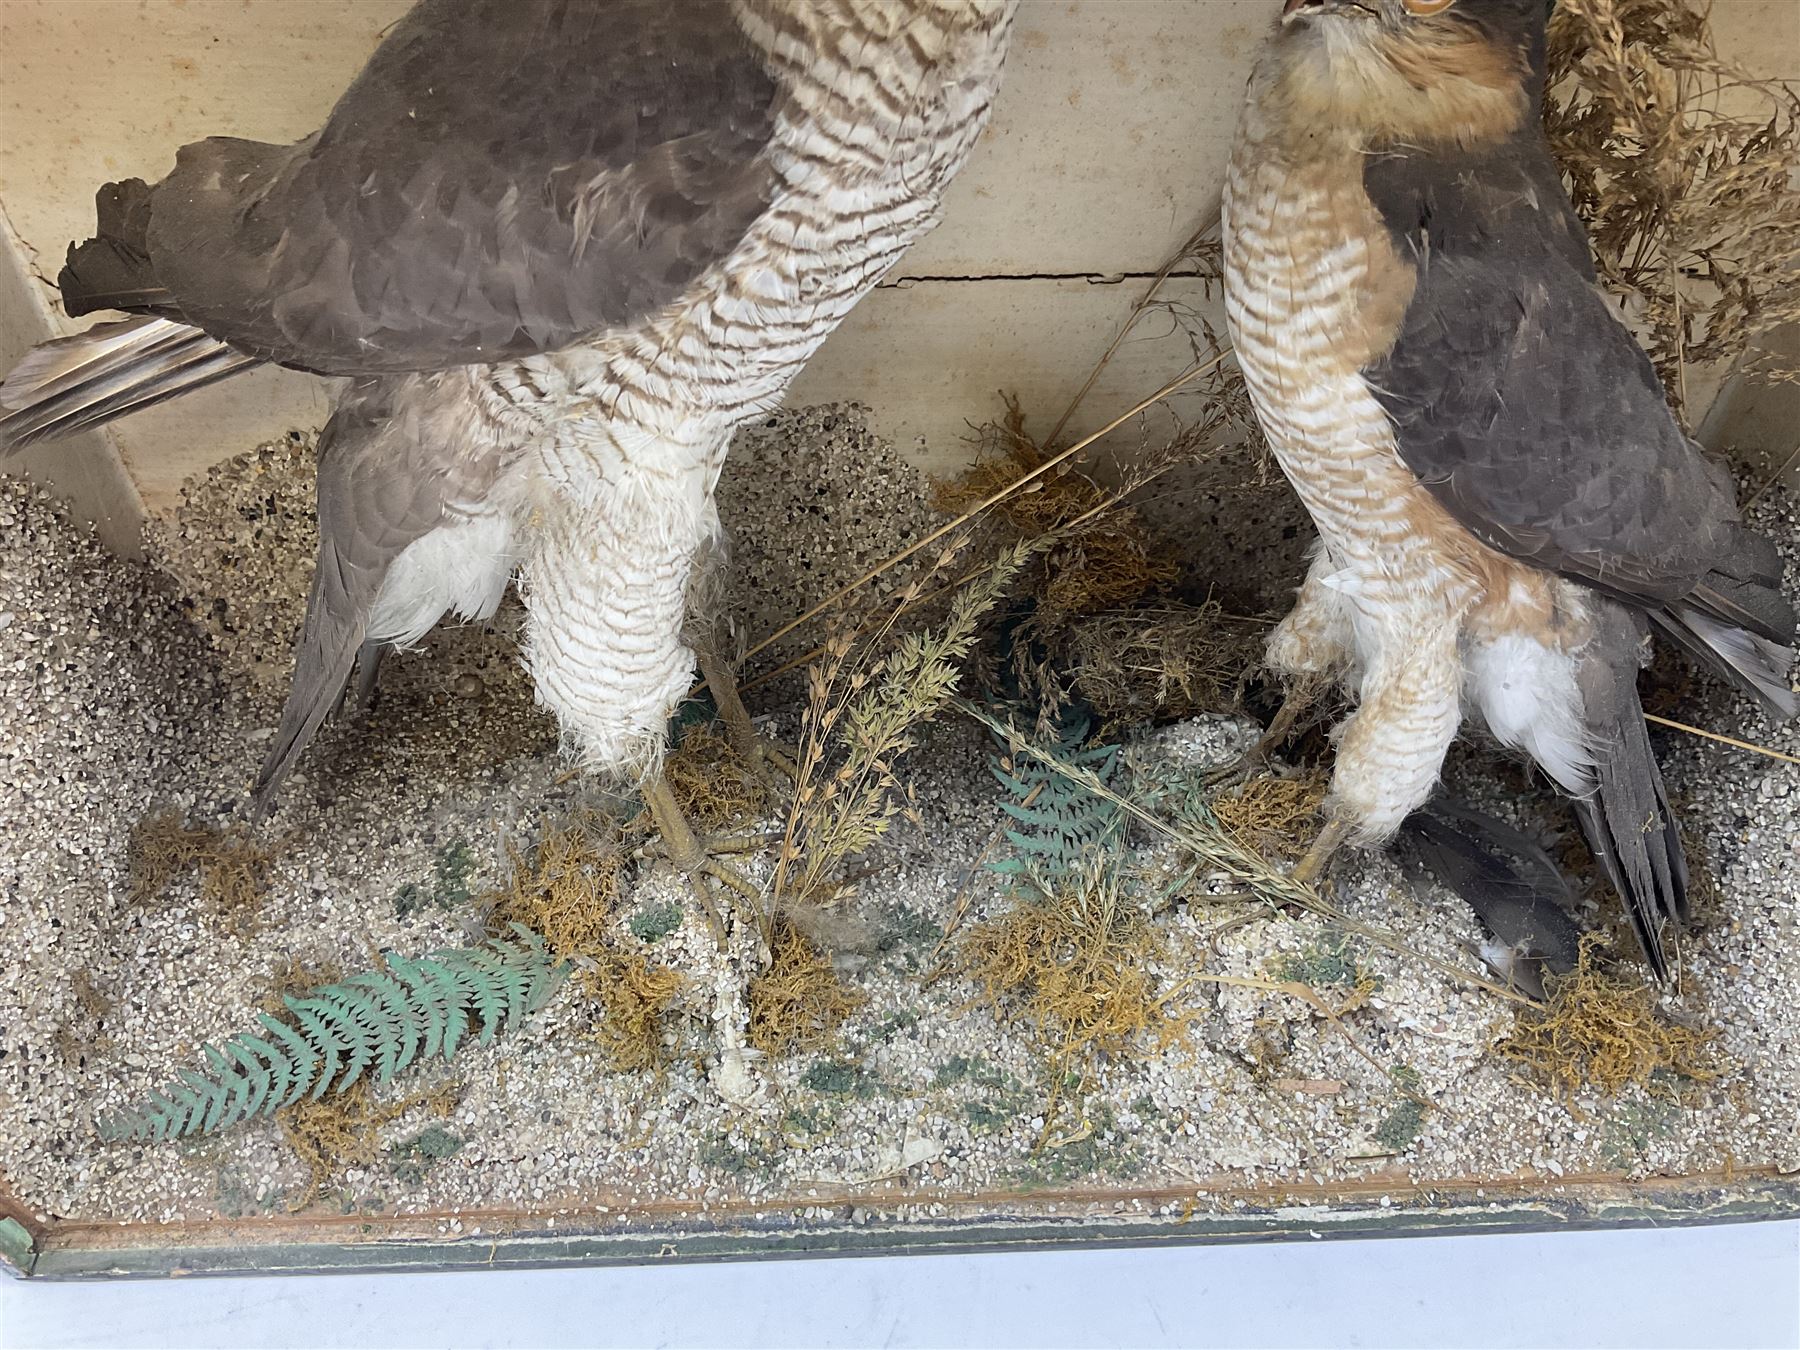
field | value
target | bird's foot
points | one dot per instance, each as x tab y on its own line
1254	760
698	856
1246	766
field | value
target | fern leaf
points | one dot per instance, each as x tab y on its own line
377	1022
236	1086
485	978
355	1020
211	1106
1062	825
261	1062
398	1045
449	993
332	1049
423	998
299	1070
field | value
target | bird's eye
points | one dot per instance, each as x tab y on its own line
1425	7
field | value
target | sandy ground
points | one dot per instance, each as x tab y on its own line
138	686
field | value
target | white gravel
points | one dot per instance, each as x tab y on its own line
127	690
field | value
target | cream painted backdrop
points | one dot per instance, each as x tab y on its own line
1105	152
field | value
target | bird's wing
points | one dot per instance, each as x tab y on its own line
1520	400
504	177
396	459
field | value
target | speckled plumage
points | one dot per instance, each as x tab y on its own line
1503	500
565	249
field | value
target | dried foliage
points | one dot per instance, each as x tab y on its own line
1078	969
710	781
635	996
797	1003
341	1131
863	712
234	868
1109	559
568	889
1272	814
1687	173
1169	661
1602	1029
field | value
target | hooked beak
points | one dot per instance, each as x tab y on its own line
1300	9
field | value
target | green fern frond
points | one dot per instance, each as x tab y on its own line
1064	828
375	1023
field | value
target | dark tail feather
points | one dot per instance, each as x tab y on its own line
1518	893
73	383
336	612
1626	817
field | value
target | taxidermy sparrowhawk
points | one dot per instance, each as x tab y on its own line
561	249
1504	502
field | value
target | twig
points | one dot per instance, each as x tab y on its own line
1137	312
1774	478
1728	740
1186	377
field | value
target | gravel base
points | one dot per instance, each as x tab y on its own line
129	691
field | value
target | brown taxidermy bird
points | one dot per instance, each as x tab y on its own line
561	249
1505	504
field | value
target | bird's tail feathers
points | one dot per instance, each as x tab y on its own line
1754	663
1626	818
73	383
329	646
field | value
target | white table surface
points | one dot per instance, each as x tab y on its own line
1731	1286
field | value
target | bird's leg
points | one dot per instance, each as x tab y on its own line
697	856
1311	867
1392	747
752	747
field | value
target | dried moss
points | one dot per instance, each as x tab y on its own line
1172	661
234	868
710	781
340	1131
798	1002
566	888
299	978
1603	1030
1110	561
1079	972
1272	815
88	996
635	996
